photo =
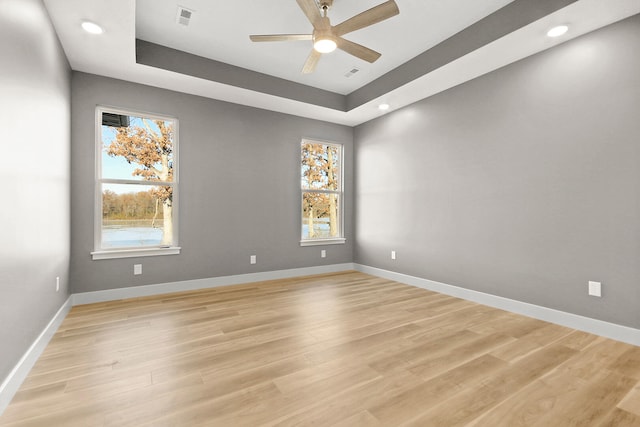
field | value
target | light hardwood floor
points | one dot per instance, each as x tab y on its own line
343	349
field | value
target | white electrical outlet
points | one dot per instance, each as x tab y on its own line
252	260
57	283
595	289
393	254
323	253
137	269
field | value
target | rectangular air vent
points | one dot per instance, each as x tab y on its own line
351	72
184	15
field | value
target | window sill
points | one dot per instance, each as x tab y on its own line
134	253
318	242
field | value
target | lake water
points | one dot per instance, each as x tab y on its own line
131	236
121	237
321	228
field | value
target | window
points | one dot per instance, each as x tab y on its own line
136	185
321	190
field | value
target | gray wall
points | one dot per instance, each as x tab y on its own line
239	187
34	118
524	183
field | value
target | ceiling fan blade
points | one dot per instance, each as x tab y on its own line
312	61
280	37
357	50
310	8
369	17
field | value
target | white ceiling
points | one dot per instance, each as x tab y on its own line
219	30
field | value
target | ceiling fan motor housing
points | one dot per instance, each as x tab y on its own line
324	40
323	34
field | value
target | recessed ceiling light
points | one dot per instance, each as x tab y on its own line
383	107
557	31
92	28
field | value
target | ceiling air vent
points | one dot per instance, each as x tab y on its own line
351	72
184	15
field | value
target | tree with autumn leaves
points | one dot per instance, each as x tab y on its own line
320	172
149	146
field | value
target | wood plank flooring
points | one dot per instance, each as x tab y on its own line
343	349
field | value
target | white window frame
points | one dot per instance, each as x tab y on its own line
340	193
141	251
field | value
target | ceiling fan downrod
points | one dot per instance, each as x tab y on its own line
325	5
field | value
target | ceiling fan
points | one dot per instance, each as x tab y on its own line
326	37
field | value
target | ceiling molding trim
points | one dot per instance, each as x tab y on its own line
157	56
499	24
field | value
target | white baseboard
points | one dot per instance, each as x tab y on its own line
213	282
574	321
12	383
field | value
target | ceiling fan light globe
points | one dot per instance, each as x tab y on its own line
324	45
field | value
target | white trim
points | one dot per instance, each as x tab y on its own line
134	253
212	282
12	383
138	182
16	377
318	242
339	193
100	252
570	320
14	380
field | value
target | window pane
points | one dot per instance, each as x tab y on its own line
136	215
136	148
320	215
320	166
